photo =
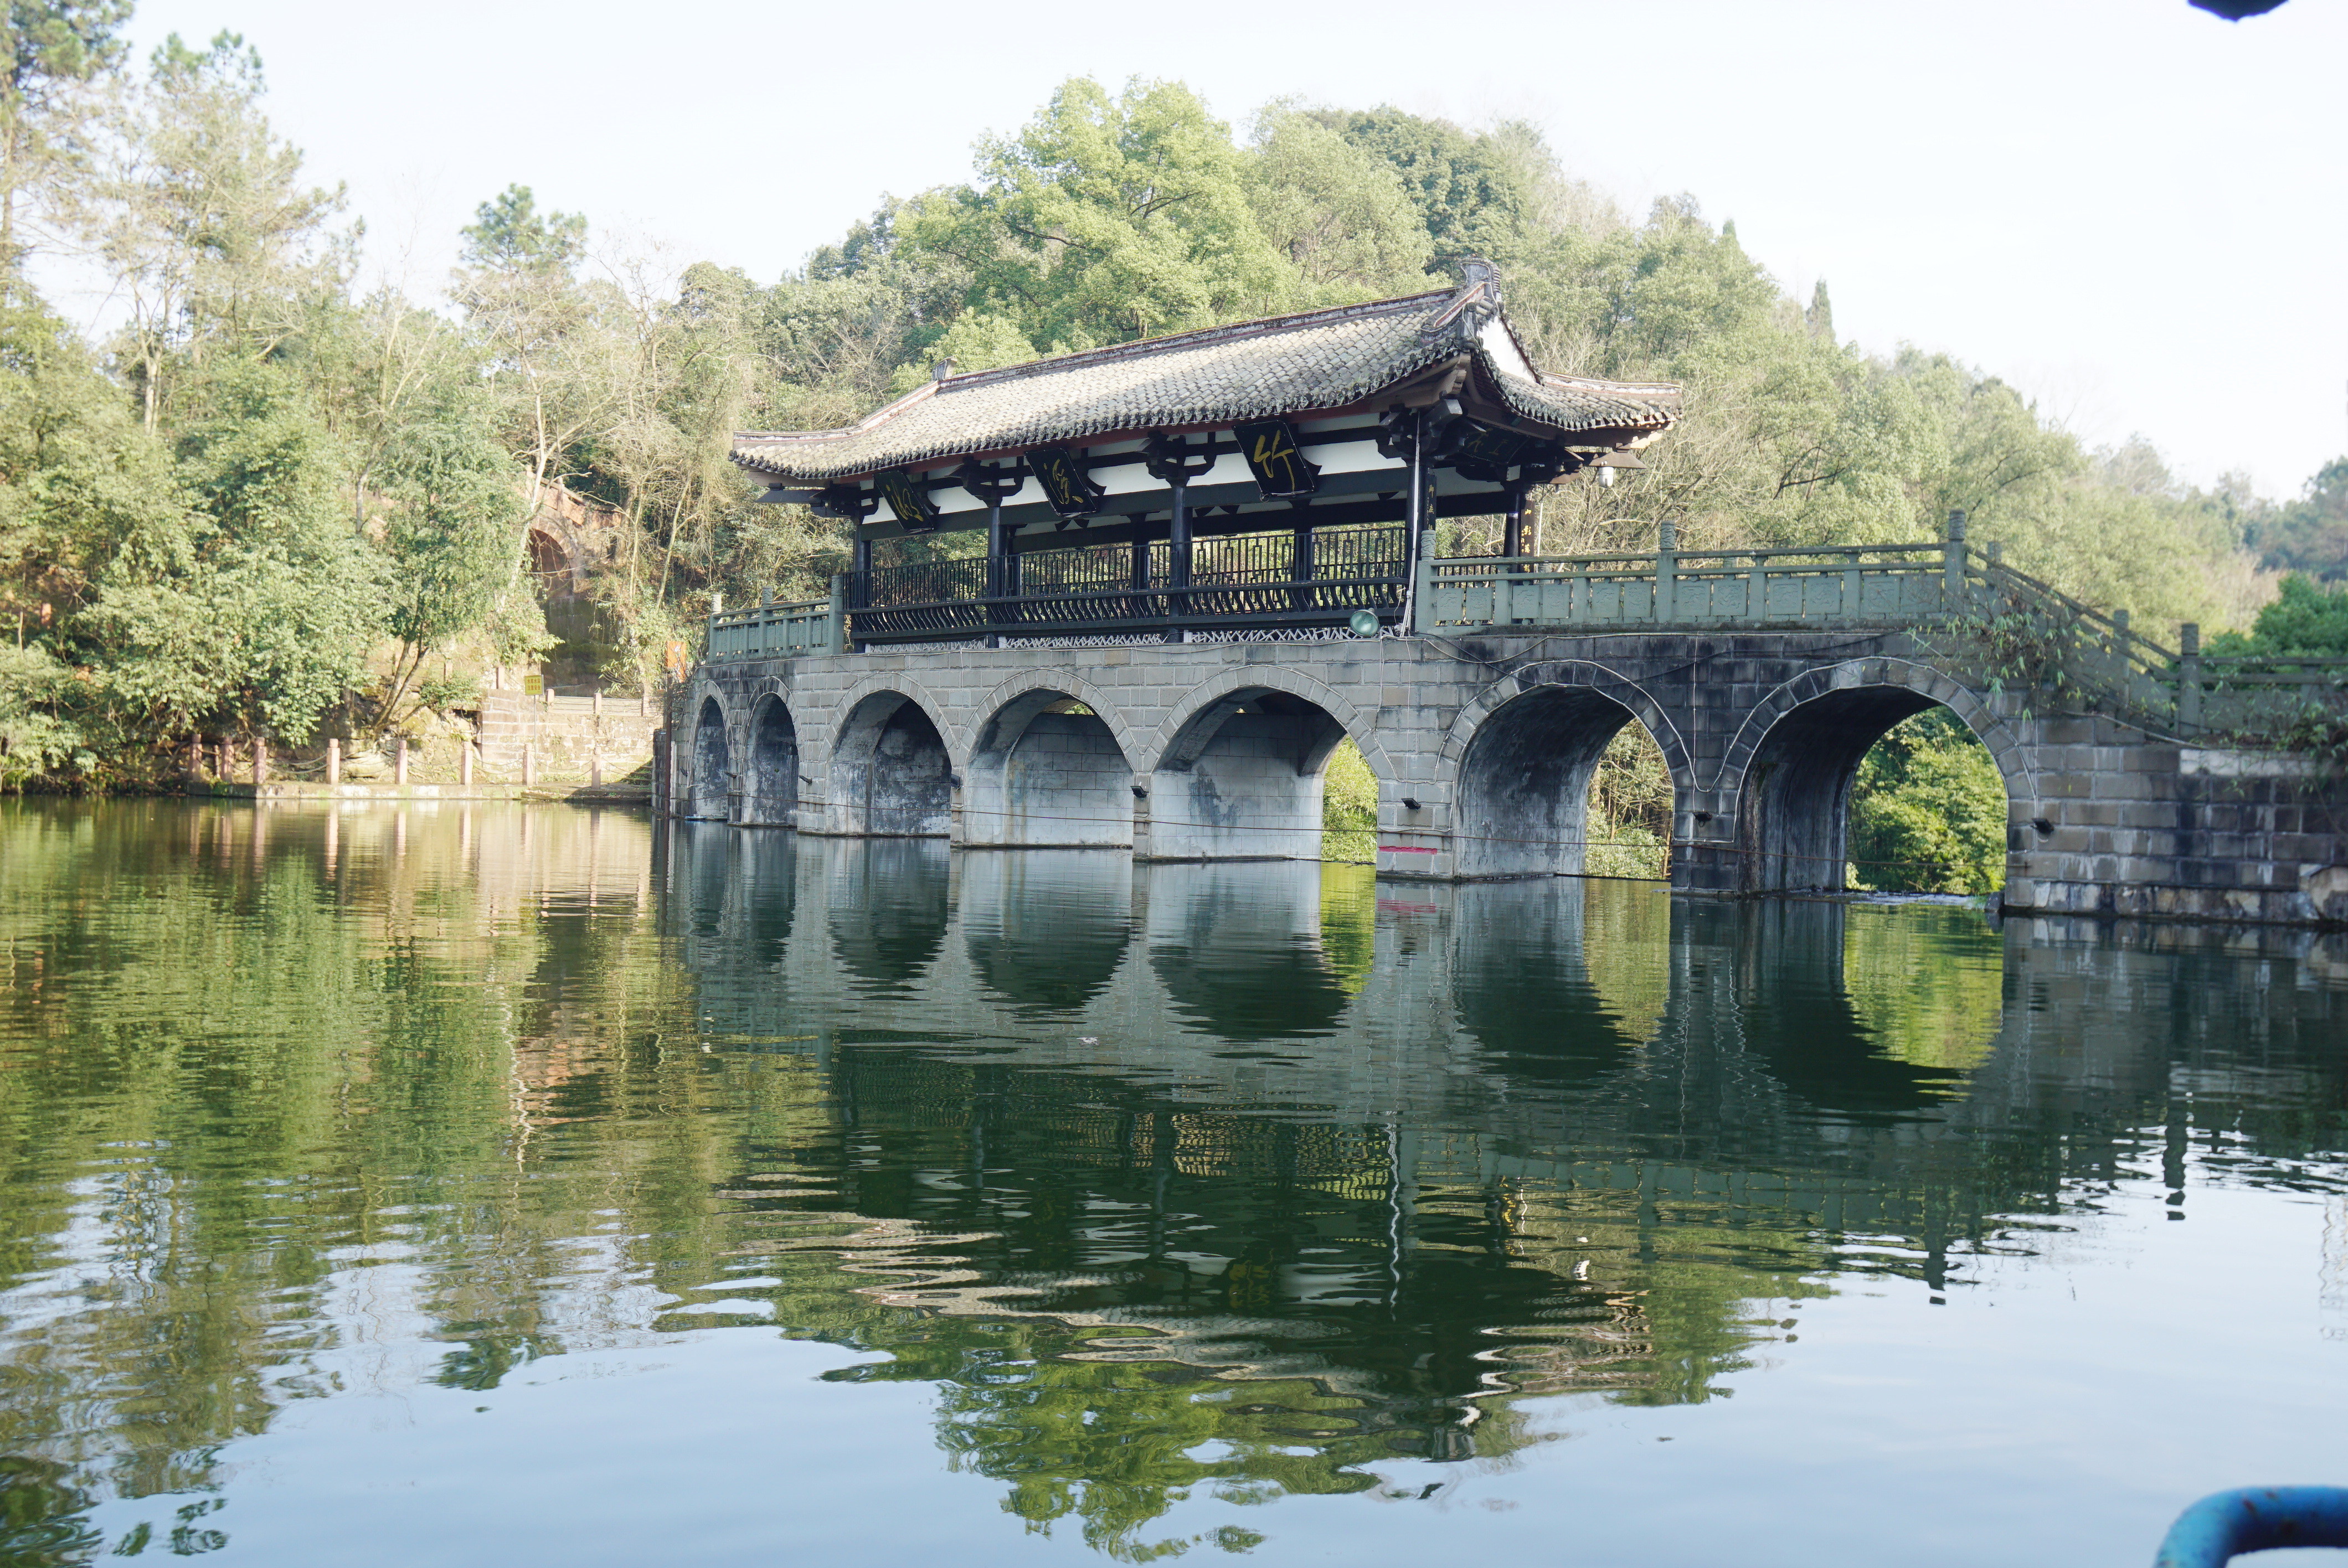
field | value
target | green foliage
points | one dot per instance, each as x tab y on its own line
218	525
2305	618
442	692
1465	189
509	235
1337	210
1349	807
1629	820
2310	534
1107	219
54	50
1927	811
35	689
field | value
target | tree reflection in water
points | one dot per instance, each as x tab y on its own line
1176	1181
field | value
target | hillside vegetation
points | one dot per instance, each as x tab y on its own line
272	503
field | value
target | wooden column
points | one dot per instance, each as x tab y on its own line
1419	523
1177	551
1299	564
1512	525
1000	570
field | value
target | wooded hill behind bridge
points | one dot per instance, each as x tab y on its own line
191	484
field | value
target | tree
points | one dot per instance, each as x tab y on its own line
455	509
1337	211
2310	534
2305	618
1467	188
507	235
1927	811
1108	218
205	220
54	49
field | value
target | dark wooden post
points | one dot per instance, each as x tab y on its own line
1178	552
1418	520
999	571
1299	564
1512	527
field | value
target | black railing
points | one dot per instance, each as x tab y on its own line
1247	580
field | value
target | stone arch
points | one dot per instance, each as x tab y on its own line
770	793
1184	712
553	560
712	763
1789	770
1520	757
1049	766
892	774
1236	770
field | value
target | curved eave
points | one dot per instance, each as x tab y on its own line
1577	410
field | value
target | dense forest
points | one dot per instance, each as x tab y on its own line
269	502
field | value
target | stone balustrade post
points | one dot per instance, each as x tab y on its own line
2189	676
1953	562
1666	572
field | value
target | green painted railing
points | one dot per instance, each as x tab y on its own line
777	631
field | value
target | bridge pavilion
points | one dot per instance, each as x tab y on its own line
1273	476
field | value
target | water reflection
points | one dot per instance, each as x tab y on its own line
1046	927
1169	1177
889	903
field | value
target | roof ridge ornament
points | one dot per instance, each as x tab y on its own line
1476	302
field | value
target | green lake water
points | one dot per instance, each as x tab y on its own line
510	1185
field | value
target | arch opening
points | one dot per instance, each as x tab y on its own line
1934	795
891	773
1243	780
1525	783
711	764
774	770
1929	811
1048	772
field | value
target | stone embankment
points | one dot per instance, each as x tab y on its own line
520	747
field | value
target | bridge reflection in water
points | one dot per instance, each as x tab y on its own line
1388	1162
1161	1181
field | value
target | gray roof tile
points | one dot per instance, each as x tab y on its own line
1255	369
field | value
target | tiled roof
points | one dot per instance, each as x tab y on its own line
1256	370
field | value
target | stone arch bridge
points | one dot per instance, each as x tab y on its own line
1136	596
2140	782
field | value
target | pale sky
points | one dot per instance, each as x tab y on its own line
2136	210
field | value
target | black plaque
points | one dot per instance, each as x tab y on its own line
1282	474
1483	452
1065	483
908	498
